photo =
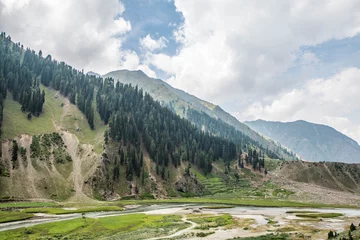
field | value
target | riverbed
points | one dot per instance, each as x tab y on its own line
248	221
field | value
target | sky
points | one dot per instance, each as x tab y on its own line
279	60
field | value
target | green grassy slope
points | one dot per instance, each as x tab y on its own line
57	113
16	122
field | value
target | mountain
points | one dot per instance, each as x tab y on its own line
332	175
313	142
93	74
71	135
181	102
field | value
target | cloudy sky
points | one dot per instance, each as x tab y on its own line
277	60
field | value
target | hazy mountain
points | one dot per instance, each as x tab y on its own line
93	74
180	101
311	141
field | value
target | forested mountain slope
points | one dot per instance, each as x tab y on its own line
71	136
91	137
313	142
181	103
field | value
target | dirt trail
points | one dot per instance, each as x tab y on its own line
66	109
26	140
52	178
74	149
178	233
72	144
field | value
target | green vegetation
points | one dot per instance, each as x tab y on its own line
26	204
300	211
206	222
239	202
272	164
204	234
79	210
224	130
283	193
131	226
11	216
319	215
351	233
15	121
42	145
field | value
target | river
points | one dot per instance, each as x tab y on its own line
260	217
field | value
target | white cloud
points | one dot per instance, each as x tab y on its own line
80	32
309	58
131	61
331	101
151	44
236	50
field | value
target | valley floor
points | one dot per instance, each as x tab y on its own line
177	221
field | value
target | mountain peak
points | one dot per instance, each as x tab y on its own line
93	74
312	141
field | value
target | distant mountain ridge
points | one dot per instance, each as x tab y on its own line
313	142
93	74
179	101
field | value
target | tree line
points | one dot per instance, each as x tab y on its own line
135	118
23	70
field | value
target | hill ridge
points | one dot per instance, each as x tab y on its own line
312	141
179	101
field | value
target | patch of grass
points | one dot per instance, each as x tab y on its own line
80	210
205	221
271	222
282	193
204	234
319	215
15	122
147	196
239	202
286	229
26	204
301	212
131	226
11	216
272	164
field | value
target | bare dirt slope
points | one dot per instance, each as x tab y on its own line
32	178
337	176
331	183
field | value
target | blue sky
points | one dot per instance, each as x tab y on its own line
155	17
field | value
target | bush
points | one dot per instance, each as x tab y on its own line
352	227
147	196
28	231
